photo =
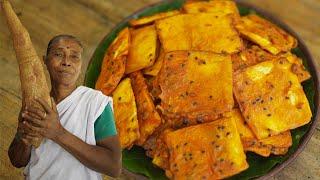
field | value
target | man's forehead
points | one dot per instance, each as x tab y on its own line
66	44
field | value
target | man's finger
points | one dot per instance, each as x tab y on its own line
33	129
31	134
44	104
37	111
26	141
33	115
29	137
35	121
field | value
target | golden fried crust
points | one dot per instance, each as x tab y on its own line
271	98
155	68
297	66
211	150
217	7
249	57
161	152
254	55
125	112
148	117
262	32
197	32
151	19
114	62
277	144
196	84
143	48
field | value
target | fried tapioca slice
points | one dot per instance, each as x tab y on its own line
266	34
271	98
125	112
143	48
114	63
254	55
152	18
277	144
197	32
217	7
148	117
195	83
210	150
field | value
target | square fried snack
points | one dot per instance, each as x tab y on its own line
151	19
208	151
217	7
143	48
195	84
148	117
262	32
271	98
114	63
125	113
198	32
254	55
277	144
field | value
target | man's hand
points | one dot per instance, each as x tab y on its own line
23	133
46	123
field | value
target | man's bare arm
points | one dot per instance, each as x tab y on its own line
20	149
105	157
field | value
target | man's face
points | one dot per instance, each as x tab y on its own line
64	61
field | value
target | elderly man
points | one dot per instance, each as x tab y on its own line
81	141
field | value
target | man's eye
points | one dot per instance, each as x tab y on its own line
74	57
58	54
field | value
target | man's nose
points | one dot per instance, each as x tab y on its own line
66	61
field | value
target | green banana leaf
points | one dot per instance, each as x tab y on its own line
135	159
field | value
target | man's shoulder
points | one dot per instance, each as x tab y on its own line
95	92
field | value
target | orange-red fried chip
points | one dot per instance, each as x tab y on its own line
125	113
114	62
271	98
264	33
151	19
277	144
209	151
195	83
148	117
198	32
143	48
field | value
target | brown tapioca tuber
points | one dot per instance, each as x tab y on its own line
32	76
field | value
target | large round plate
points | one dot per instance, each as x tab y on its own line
135	160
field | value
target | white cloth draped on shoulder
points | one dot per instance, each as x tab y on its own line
77	114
